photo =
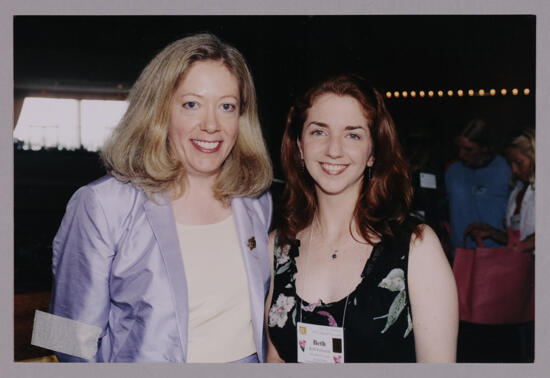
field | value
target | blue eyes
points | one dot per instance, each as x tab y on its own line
353	136
194	105
228	107
190	105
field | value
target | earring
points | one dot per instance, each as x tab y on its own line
303	166
368	173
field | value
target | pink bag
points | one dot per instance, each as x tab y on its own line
495	285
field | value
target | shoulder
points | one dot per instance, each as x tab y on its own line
427	260
500	163
453	170
426	238
108	186
109	195
262	205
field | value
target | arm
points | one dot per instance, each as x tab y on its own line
272	355
434	301
83	250
478	230
528	244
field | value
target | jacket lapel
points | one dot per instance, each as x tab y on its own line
162	221
253	246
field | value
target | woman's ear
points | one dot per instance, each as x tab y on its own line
370	162
299	144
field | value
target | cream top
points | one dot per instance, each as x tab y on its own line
220	322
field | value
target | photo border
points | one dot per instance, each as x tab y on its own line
10	8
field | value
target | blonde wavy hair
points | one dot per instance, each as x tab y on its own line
525	142
139	150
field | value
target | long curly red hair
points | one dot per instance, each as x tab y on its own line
383	204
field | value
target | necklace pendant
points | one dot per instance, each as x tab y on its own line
334	254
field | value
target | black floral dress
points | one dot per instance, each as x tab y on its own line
378	323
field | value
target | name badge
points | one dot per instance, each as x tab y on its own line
320	344
427	180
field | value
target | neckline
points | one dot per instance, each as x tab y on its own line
367	268
204	226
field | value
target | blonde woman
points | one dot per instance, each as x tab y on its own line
165	258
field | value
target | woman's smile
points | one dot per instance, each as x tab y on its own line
333	169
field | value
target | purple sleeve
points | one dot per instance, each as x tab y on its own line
83	251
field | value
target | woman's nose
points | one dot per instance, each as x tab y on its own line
209	122
335	148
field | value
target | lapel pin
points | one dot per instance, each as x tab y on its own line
252	243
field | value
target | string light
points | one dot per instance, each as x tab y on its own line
460	93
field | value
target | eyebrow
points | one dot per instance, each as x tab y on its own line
181	95
324	125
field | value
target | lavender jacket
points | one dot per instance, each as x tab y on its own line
117	266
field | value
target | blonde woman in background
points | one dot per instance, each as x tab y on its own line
165	258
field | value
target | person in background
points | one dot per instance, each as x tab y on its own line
165	258
520	216
520	211
428	204
354	280
477	184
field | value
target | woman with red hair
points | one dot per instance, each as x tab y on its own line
353	279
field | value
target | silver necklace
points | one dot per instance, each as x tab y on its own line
335	251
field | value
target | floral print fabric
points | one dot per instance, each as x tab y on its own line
377	322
